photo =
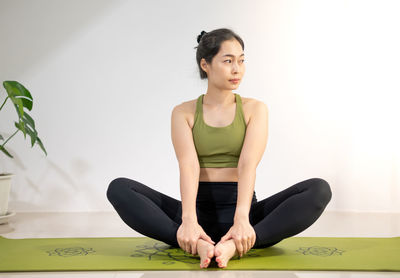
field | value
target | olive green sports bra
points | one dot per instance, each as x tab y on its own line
218	147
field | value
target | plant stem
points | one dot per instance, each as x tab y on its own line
10	137
4	102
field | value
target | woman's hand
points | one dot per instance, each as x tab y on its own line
243	234
188	234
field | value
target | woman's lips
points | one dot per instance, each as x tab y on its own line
234	80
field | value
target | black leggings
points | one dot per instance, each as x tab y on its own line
158	216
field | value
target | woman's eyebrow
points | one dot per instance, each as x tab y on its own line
230	55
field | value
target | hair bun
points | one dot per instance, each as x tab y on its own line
201	35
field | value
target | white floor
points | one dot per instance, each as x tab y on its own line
109	224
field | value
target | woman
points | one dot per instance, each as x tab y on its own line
219	215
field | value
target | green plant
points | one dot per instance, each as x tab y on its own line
21	98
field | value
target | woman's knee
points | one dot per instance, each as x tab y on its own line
322	191
115	187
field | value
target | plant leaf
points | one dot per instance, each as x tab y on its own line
19	95
20	125
5	151
28	120
41	145
29	125
32	133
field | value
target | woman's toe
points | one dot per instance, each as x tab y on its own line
220	261
205	263
210	253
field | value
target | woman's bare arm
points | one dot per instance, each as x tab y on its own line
189	187
253	149
189	168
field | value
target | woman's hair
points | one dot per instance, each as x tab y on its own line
210	43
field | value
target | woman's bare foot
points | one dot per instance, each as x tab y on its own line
205	251
224	252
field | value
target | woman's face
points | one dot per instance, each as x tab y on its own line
226	65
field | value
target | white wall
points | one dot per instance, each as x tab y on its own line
105	76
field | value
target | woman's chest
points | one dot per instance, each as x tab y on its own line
218	118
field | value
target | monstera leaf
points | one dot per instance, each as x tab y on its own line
21	98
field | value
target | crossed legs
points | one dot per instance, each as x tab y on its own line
274	218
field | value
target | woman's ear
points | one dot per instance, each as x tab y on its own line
204	65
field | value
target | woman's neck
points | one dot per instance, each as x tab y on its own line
219	99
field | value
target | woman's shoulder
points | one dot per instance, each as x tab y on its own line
187	109
188	106
249	101
251	104
256	107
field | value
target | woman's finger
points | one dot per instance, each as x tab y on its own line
239	247
194	248
244	243
181	244
225	237
189	246
207	238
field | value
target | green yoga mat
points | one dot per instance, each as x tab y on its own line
143	253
